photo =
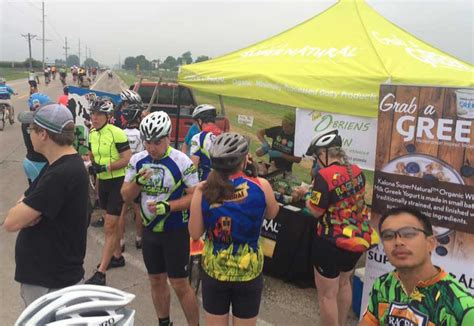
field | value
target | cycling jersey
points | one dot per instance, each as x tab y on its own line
438	301
6	92
336	195
172	174
134	139
201	143
106	144
231	250
32	76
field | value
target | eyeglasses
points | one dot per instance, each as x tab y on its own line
407	232
29	130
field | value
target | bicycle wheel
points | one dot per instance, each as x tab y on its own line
2	117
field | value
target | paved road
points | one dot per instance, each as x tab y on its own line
282	304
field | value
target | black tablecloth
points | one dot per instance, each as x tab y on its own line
293	233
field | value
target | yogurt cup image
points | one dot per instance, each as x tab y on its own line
465	103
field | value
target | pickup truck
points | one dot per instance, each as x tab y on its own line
166	99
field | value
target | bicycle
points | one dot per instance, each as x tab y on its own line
195	267
3	108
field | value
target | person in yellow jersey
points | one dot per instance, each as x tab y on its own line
110	152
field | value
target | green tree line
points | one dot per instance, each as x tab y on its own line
170	63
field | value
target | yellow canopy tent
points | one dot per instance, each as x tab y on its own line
334	62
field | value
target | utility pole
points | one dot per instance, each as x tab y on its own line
79	52
44	39
29	37
86	51
119	62
65	47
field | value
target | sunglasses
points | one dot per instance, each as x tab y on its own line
407	232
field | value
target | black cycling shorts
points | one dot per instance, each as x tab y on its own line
109	195
245	297
166	252
330	260
33	83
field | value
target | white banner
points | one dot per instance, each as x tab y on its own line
359	134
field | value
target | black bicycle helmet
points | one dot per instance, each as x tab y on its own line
228	151
132	112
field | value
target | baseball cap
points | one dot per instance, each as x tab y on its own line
53	117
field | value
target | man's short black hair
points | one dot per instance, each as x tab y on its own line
425	220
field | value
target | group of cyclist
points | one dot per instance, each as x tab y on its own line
212	193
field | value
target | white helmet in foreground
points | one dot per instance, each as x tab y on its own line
80	305
155	125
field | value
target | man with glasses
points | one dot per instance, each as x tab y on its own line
165	178
416	292
52	214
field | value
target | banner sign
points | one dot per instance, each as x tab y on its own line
425	160
358	134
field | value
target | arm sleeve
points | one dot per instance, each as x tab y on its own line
48	195
371	315
121	141
131	169
320	194
195	144
190	175
272	132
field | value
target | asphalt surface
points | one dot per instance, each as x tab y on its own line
282	303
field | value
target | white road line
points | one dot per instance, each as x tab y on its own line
97	81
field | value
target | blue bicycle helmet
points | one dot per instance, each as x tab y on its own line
38	99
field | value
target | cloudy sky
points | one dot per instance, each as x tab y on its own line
116	28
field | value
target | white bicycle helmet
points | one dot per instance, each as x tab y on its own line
130	97
102	104
204	110
155	125
2	80
228	151
326	139
80	305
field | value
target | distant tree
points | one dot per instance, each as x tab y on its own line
130	63
169	63
36	63
144	63
186	58
59	62
201	58
72	60
89	62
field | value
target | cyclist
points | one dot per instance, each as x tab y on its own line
127	97
343	231
132	115
230	207
5	98
34	162
110	152
33	80
53	71
205	117
47	75
74	72
63	74
165	178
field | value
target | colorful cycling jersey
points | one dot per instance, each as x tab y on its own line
134	139
232	251
340	198
106	145
172	174
6	92
201	143
438	301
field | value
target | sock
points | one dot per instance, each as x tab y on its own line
164	321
